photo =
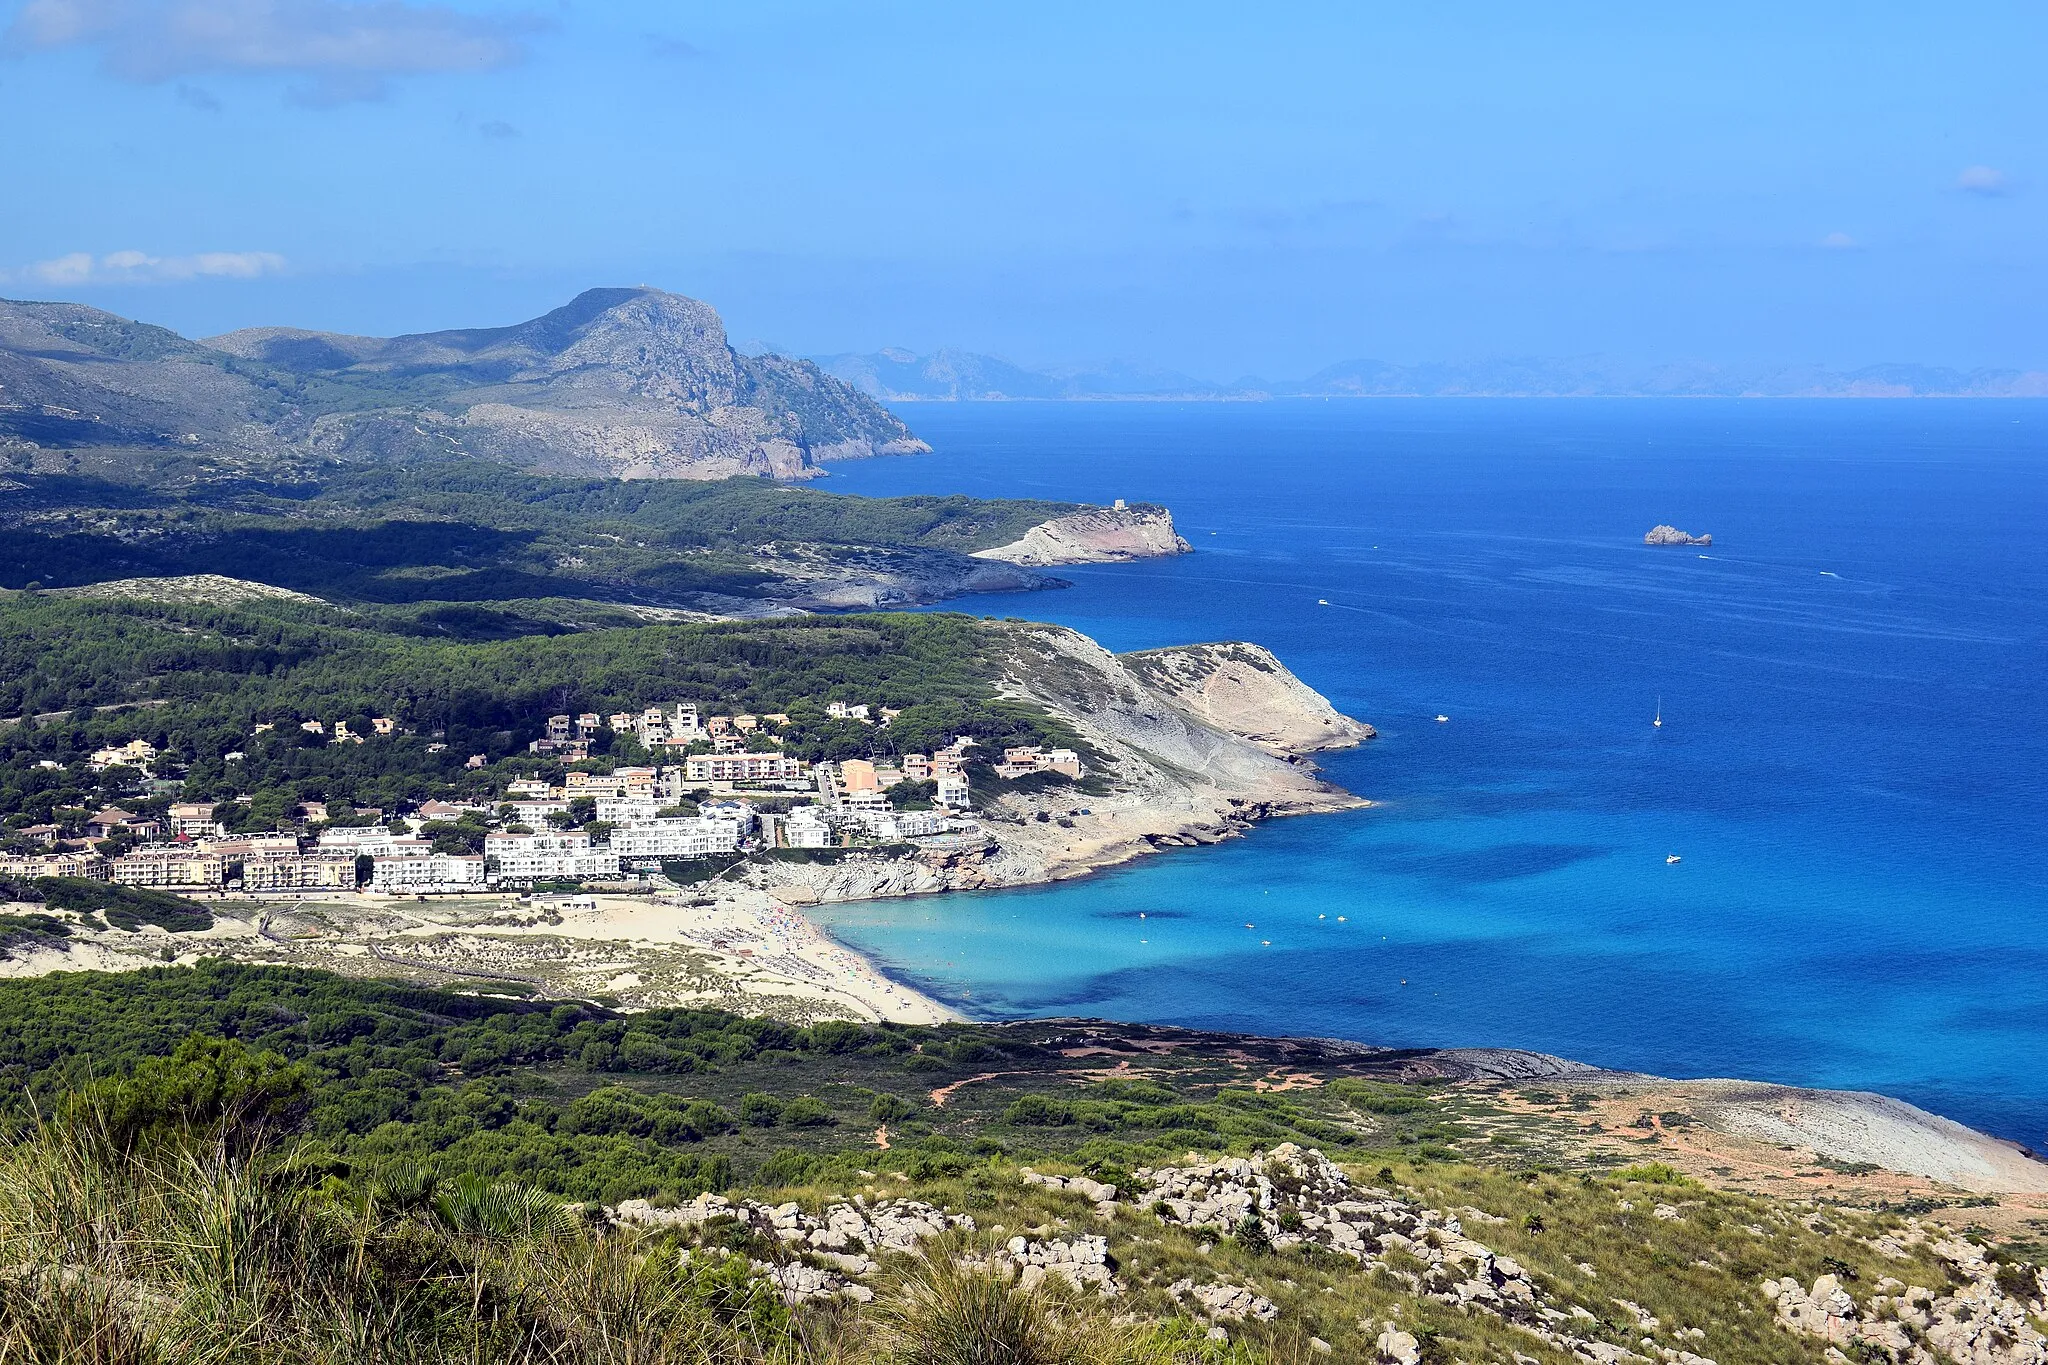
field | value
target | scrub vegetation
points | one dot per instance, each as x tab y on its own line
263	1164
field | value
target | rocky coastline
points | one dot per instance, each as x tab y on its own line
1184	755
1097	535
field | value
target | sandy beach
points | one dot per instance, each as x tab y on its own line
740	948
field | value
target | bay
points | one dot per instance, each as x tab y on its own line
1853	766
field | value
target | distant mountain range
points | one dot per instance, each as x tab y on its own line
893	375
965	376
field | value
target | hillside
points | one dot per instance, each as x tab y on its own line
628	383
405	1174
616	450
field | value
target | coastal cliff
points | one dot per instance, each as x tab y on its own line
1174	777
1098	535
1242	689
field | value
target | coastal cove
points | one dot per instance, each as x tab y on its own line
1849	765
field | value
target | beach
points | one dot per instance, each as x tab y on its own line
741	949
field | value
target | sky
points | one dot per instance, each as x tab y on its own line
1224	189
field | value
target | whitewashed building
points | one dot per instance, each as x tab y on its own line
435	874
549	855
744	768
690	837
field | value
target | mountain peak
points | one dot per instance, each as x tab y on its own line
632	382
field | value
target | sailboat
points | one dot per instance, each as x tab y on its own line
1658	721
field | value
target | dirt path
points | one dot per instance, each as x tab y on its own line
945	1092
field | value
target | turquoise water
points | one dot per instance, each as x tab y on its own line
1853	764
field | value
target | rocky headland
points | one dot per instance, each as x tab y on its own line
1671	535
1173	772
1096	535
1242	689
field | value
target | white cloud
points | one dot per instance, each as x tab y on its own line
1839	241
139	267
1986	180
345	51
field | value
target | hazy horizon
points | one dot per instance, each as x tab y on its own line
1195	188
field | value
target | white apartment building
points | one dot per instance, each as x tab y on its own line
357	838
900	824
621	810
435	874
692	837
551	855
804	827
744	768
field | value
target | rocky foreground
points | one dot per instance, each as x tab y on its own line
1295	1203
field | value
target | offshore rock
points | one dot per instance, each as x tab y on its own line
1671	535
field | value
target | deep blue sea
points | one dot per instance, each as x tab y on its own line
1853	765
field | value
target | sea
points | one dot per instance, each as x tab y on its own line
1851	773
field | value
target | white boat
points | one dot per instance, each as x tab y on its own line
1322	601
1442	719
1658	719
1670	858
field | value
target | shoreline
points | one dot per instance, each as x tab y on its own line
744	950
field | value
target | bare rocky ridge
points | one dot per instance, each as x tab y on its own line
1099	535
1241	688
628	383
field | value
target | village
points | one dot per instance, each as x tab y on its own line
719	787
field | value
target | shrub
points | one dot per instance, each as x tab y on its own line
806	1111
890	1109
758	1110
789	1166
1655	1173
1038	1111
125	907
1378	1097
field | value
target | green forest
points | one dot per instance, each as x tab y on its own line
472	532
592	1104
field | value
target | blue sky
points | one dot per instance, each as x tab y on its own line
1222	188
